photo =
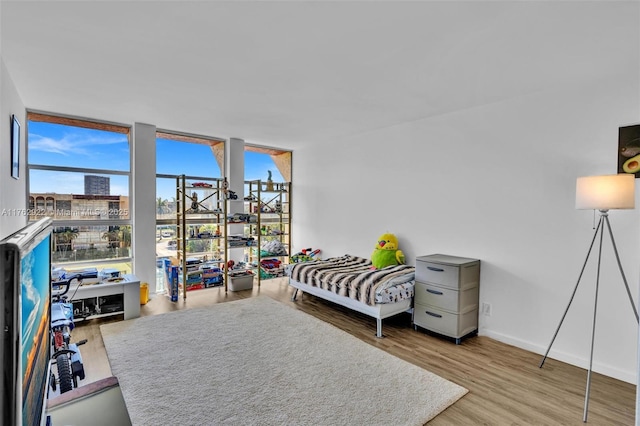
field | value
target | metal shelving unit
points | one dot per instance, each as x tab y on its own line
271	202
201	230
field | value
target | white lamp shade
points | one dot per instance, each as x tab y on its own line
606	192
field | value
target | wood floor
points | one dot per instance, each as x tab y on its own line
506	387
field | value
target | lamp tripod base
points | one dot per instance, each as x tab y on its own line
604	219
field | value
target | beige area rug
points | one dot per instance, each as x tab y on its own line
259	362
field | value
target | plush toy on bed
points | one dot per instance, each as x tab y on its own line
386	252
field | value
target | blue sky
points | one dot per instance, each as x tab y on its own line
60	145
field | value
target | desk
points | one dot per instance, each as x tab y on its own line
129	288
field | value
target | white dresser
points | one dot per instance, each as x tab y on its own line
446	295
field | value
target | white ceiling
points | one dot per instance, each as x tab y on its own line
288	73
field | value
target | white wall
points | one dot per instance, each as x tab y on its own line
13	192
496	183
143	175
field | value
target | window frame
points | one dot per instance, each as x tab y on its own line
94	124
219	157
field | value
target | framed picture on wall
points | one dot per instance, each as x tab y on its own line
15	147
629	150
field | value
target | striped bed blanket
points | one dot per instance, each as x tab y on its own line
354	277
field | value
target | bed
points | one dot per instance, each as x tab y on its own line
352	282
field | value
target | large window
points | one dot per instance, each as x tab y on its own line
79	174
198	158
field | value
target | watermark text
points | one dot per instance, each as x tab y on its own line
86	213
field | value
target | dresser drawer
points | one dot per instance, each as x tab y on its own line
446	323
436	273
447	299
448	271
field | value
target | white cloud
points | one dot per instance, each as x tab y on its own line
73	144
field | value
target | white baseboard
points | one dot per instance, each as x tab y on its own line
607	370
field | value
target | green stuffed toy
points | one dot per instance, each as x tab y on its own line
387	252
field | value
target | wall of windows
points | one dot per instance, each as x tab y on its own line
79	174
199	158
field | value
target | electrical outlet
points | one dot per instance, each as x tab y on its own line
486	309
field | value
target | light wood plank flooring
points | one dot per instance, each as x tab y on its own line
506	387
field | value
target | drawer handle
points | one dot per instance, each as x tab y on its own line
433	268
439	293
433	314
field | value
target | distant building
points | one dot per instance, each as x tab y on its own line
96	185
78	207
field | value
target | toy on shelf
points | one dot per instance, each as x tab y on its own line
202	185
265	230
194	202
305	255
241	241
271	268
204	233
386	252
211	276
273	248
228	194
269	182
242	218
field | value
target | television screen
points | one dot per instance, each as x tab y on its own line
26	284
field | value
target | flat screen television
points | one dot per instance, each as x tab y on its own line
25	295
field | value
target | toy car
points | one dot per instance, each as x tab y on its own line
239	218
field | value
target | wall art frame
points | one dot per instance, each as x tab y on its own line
629	150
15	147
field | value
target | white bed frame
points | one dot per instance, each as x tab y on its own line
379	311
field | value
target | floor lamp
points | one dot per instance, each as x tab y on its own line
601	193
